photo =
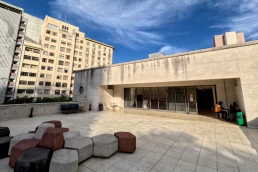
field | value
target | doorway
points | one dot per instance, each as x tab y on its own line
205	100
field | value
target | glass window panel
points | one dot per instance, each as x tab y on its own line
180	99
146	98
129	97
171	99
139	97
154	98
163	98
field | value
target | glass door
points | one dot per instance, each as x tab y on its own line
180	100
191	100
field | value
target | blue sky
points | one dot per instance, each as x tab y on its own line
137	28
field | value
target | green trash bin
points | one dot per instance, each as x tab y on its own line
240	119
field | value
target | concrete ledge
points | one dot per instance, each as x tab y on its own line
14	111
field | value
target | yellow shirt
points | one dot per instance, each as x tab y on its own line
217	108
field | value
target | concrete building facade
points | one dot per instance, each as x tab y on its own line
229	38
13	27
33	29
178	83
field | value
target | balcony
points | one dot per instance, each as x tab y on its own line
21	34
16	58
13	75
18	50
14	66
9	94
22	24
11	84
19	41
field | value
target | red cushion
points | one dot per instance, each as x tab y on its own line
53	139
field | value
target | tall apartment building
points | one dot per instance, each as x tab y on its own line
13	26
47	68
228	38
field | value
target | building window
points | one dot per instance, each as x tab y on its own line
59	77
99	47
74	65
52	54
86	55
21	91
27	57
88	43
44	60
76	52
87	49
24	73
64	85
64	36
65	77
79	66
49	68
81	47
67	63
61	62
31	82
33	75
52	47
51	26
50	61
64	92
80	59
41	83
67	57
48	75
53	40
47	83
69	44
48	31
26	65
45	53
70	37
54	33
33	66
35	58
80	53
68	50
21	82
47	91
42	75
63	42
40	91
61	56
57	92
62	49
65	70
58	84
81	89
60	69
29	91
47	38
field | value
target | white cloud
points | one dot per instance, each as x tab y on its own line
128	22
168	49
244	18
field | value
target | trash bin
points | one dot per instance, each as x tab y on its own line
100	107
240	119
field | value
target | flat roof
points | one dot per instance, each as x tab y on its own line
11	7
178	54
100	42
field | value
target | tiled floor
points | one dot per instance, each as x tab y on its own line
163	145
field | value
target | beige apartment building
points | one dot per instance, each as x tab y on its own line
47	68
228	38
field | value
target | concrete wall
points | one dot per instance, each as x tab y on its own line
9	24
15	111
34	26
233	61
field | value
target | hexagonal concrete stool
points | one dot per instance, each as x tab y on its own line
71	134
53	139
19	138
4	146
64	160
84	146
105	145
41	130
4	131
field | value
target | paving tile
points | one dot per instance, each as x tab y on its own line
115	169
164	167
200	168
186	165
154	156
169	160
227	168
188	158
148	162
173	154
207	163
100	166
177	169
112	160
124	164
139	168
91	161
